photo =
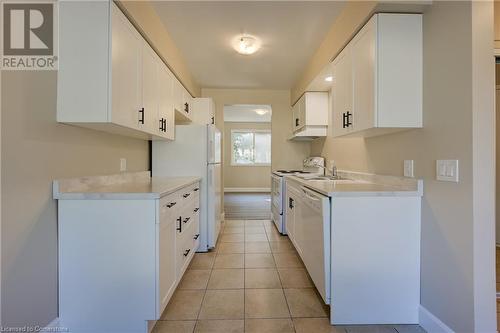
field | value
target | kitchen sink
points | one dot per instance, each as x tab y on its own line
329	178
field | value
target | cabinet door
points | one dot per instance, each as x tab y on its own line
149	119
166	116
302	111
300	224
178	96
342	93
363	77
211	106
316	108
293	222
166	257
126	44
187	105
289	216
295	116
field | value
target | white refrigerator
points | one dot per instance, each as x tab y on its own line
196	151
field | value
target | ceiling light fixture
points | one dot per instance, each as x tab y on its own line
329	78
261	112
246	44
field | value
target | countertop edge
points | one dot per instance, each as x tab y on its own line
390	192
57	195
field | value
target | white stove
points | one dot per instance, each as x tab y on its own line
312	166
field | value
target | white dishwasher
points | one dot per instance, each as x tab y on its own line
315	214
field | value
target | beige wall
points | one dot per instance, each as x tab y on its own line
35	151
447	221
244	176
147	20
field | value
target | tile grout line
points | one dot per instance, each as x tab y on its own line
281	284
206	288
244	276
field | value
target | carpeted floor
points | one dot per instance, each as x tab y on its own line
247	206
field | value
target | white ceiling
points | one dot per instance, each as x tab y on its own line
290	31
245	113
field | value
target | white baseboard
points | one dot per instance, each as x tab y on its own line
247	189
430	323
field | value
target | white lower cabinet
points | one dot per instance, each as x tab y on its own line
361	250
293	215
167	274
308	227
120	260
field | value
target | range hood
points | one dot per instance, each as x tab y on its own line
309	133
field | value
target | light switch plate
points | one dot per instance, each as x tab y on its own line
447	170
408	168
123	164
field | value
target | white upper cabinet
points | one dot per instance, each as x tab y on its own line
109	77
377	86
203	110
125	73
182	103
342	93
166	113
310	115
148	114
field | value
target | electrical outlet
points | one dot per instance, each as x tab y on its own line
447	170
123	164
408	168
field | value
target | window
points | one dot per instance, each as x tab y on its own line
251	147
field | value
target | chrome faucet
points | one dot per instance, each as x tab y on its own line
332	172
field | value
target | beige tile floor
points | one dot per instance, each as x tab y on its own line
253	281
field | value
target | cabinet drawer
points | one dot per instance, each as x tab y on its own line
169	206
190	193
187	244
185	216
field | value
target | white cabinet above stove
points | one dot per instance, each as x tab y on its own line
310	116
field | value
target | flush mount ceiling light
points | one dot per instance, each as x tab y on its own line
246	44
329	78
261	112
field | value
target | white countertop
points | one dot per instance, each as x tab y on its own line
128	186
364	185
